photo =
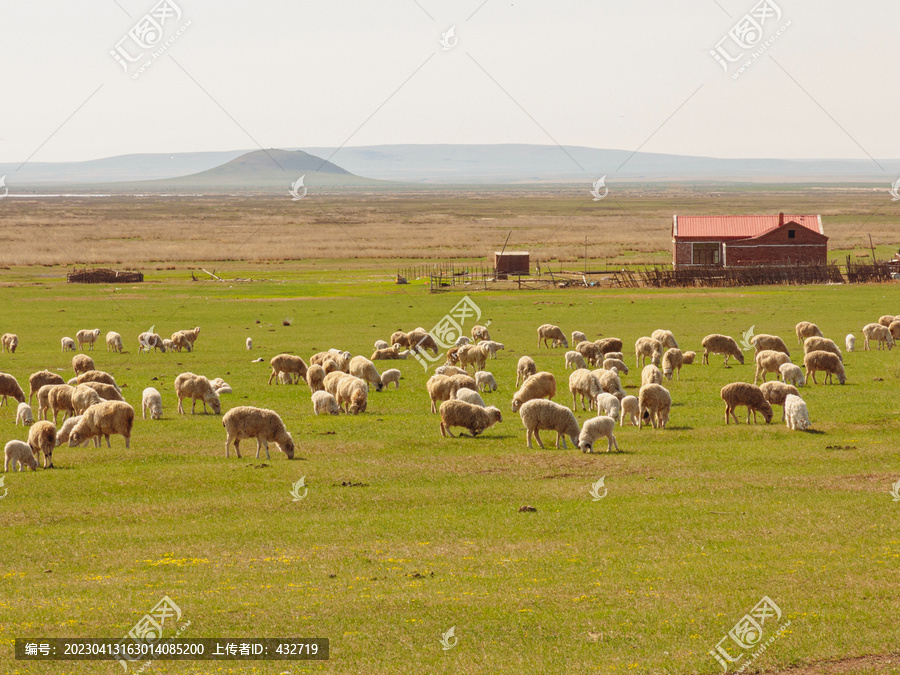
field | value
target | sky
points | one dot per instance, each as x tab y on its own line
635	75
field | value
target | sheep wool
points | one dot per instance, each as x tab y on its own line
721	344
474	418
631	409
596	428
24	415
654	403
539	414
189	385
103	420
18	455
324	403
42	438
796	414
485	381
539	385
548	331
365	370
745	394
260	423
151	402
391	376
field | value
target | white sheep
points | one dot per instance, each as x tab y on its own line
315	376
108	392
822	344
82	363
525	368
689	357
575	360
721	344
18	454
87	337
610	382
830	363
651	375
191	336
62	435
188	385
480	333
850	342
743	393
595	428
609	363
584	383
485	381
391	376
608	404
42	438
769	361
539	385
538	414
647	346
665	338
619	356
9	342
352	394
249	343
381	344
796	414
113	342
288	363
776	392
450	370
462	340
260	423
168	345
578	336
151	401
475	418
104	419
67	344
630	408
672	361
875	331
654	402
24	415
151	341
364	369
325	404
492	347
83	398
469	396
805	329
792	374
550	332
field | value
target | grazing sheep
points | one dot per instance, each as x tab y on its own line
538	414
492	347
666	338
83	398
62	435
42	438
578	336
25	415
721	344
775	392
87	337
610	363
474	418
352	395
480	333
631	407
575	360
875	331
590	352
796	415
9	386
97	376
113	342
218	383
610	382
365	370
260	423
689	358
450	370
619	356
60	398
419	341
67	344
440	388
39	379
595	428
654	405
332	380
9	341
400	339
472	355
770	342
249	343
188	385
392	376
850	342
583	383
104	419
742	393
792	374
550	332
19	455
381	344
315	377
462	340
827	362
821	344
82	363
151	341
610	344
324	403
525	369
107	392
539	385
646	346
43	401
180	342
608	404
469	396
805	329
894	328
191	336
769	361
672	361
651	375
389	354
168	345
288	363
887	319
484	381
151	401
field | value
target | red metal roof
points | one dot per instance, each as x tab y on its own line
736	227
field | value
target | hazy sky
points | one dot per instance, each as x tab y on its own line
601	73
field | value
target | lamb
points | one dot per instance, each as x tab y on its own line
168	345
188	385
249	344
389	354
538	414
83	397
67	344
324	403
106	391
689	358
875	331
9	341
575	360
420	341
472	355
87	337
651	375
550	332
24	414
82	363
539	385
260	423
365	370
476	419
585	384
381	344
450	370
19	455
645	347
769	361
191	336
150	341
352	395
672	361
887	319
39	379
578	336
42	438
525	369
827	362
462	340
614	355
743	393
632	408
590	352
595	428
665	338
315	376
400	339
151	401
60	398
610	382
796	415
608	404
97	376
821	344
610	363
610	344
654	405
770	342
288	363
391	376
469	396
9	386
775	392
113	342
721	344
850	341
805	329
493	347
62	435
181	342
792	374
480	333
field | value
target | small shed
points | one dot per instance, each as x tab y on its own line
511	262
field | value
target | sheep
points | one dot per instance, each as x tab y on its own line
796	415
249	344
480	333
469	396
83	398
539	385
419	341
610	344
775	393
525	368
792	374
689	358
462	340
341	360
721	344
60	398
315	375
610	382
381	344
492	347
771	342
43	401
151	401
651	375
264	425
103	420
9	386
400	338
472	355
821	344
440	388
19	455
548	331
887	319
67	344
484	381
608	404
475	418
9	341
365	370
654	404
82	363
825	361
610	363
850	340
646	346
450	370
168	345
97	376
632	408
191	336
332	380
578	336
62	434
113	342
805	329
672	361
188	385
39	379
324	403
585	384
180	342
24	414
769	361
619	356
42	438
389	354
151	341
287	363
894	328
575	360
218	383
391	376
590	352
665	338
595	428
538	414
352	395
743	393
107	392
87	337
875	331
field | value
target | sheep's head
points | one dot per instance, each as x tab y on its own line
767	413
842	378
379	386
31	462
585	446
287	447
495	414
516	404
215	404
75	438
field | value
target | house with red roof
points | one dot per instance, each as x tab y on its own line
741	241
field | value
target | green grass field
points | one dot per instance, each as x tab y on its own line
700	521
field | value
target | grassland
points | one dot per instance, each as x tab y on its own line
700	520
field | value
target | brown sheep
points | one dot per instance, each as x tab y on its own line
315	376
9	386
295	366
42	438
742	393
455	413
770	342
60	398
827	362
400	338
188	385
419	341
548	331
39	379
721	344
610	344
805	329
260	423
776	392
107	392
104	419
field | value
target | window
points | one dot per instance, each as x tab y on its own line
705	254
792	234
